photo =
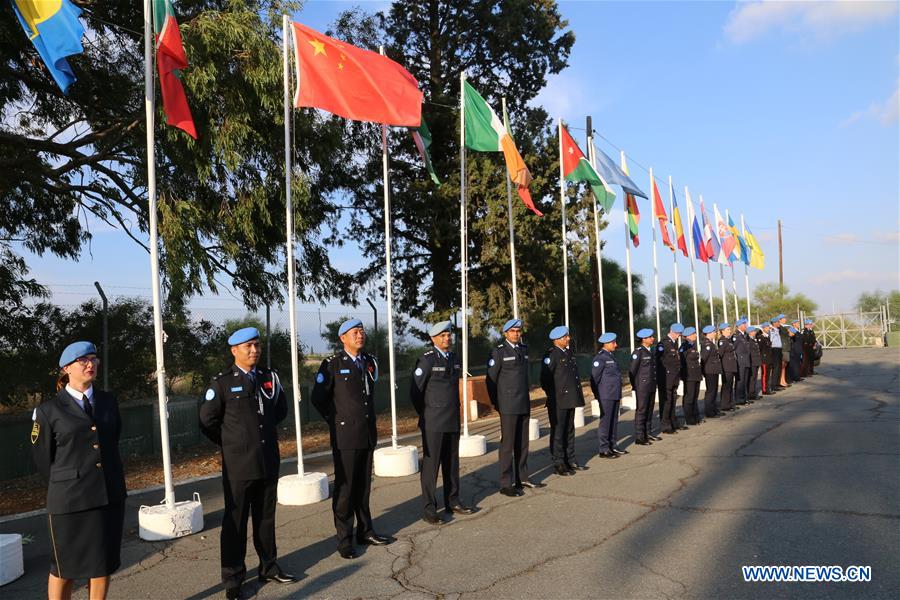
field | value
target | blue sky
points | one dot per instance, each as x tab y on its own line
777	110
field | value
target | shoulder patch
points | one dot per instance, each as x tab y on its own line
35	432
547	361
320	378
491	362
210	394
596	363
660	347
634	355
419	371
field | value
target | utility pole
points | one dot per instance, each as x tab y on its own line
105	336
595	287
780	261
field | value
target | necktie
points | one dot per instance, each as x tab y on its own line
88	409
359	363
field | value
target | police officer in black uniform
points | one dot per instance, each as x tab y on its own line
606	383
668	371
815	350
642	374
711	364
434	390
765	357
742	353
561	383
809	341
75	446
240	413
796	355
344	394
729	367
507	384
691	374
755	361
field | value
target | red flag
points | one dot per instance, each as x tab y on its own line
660	211
353	83
170	60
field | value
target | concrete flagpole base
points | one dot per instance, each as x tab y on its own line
299	490
12	566
629	401
534	429
396	462
595	409
156	523
472	445
579	417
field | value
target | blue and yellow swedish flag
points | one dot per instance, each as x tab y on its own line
54	29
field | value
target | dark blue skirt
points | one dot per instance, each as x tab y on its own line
87	543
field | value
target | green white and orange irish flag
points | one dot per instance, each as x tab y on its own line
170	61
577	168
485	133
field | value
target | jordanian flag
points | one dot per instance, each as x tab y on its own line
631	209
422	138
170	60
485	132
577	168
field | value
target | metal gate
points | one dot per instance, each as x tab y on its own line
850	330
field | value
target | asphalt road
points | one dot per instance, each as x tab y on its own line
810	476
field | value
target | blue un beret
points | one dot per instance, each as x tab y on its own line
792	329
752	328
607	338
439	328
75	351
808	322
348	325
774	321
740	322
688	331
763	325
676	328
723	326
709	329
797	320
558	332
644	333
243	335
512	323
781	316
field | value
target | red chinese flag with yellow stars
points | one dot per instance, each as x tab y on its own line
353	83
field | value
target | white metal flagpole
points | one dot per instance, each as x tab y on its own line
628	260
565	250
746	268
712	312
733	283
721	273
691	252
463	252
592	156
653	193
512	233
150	109
674	250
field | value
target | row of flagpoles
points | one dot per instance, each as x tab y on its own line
362	85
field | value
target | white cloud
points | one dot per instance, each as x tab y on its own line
886	113
893	236
841	239
883	278
820	20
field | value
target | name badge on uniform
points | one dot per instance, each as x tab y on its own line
438	368
509	358
237	388
345	371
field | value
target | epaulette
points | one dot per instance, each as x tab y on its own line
220	375
429	353
499	345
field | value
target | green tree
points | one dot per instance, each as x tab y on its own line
770	299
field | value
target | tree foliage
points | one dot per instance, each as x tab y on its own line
770	299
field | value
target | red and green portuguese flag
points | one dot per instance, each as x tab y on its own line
170	60
577	168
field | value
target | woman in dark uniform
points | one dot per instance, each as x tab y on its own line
75	445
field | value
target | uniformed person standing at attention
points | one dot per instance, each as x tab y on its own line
786	350
755	360
642	374
813	346
344	394
507	384
779	342
711	363
561	383
742	353
796	355
765	357
691	373
668	374
606	383
434	390
75	446
240	413
729	367
809	342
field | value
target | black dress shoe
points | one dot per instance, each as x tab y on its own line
532	484
574	466
683	427
348	553
233	593
617	451
278	577
373	539
643	442
609	454
431	518
561	470
511	492
461	509
655	438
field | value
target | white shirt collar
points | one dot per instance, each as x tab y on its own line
352	357
79	396
511	344
441	352
253	370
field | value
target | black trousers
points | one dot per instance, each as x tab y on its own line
441	451
776	368
668	397
562	435
643	414
254	499
513	449
711	397
740	385
727	402
689	402
794	367
608	429
352	486
752	393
